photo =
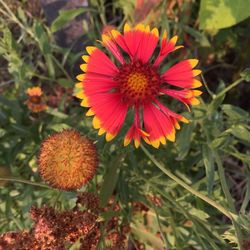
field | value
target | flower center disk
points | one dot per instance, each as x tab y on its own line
139	83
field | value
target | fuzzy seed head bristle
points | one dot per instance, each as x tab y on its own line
67	160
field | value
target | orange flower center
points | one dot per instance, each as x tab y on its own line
139	83
35	99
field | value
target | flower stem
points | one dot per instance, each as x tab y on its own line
225	90
187	187
25	182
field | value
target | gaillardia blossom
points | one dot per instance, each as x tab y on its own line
35	100
67	160
135	82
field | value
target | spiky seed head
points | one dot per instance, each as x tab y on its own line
67	160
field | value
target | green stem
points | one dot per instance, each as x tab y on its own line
25	182
234	84
187	187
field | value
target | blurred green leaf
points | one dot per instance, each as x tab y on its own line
241	133
110	180
246	74
216	102
2	132
199	37
218	14
66	16
234	112
21	15
219	142
208	160
184	139
66	83
56	113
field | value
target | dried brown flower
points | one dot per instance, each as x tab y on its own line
67	160
35	100
55	230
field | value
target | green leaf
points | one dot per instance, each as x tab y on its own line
241	133
208	160
21	15
56	113
59	126
184	139
218	14
66	83
199	37
220	142
246	74
216	102
234	112
2	132
65	16
110	180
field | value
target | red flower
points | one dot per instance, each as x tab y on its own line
135	82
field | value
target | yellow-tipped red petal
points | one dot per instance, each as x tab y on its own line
177	125
178	47
197	92
196	83
90	49
165	35
163	140
80	95
126	28
137	143
174	39
155	31
193	62
80	77
171	136
126	141
85	58
194	101
147	29
90	112
140	27
184	119
109	137
85	103
96	123
115	33
155	143
79	85
83	67
101	131
196	72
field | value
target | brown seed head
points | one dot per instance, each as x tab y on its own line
67	160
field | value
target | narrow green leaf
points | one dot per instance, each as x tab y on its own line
184	140
56	113
110	180
241	133
234	112
65	16
208	160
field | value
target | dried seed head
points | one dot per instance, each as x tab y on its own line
67	160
